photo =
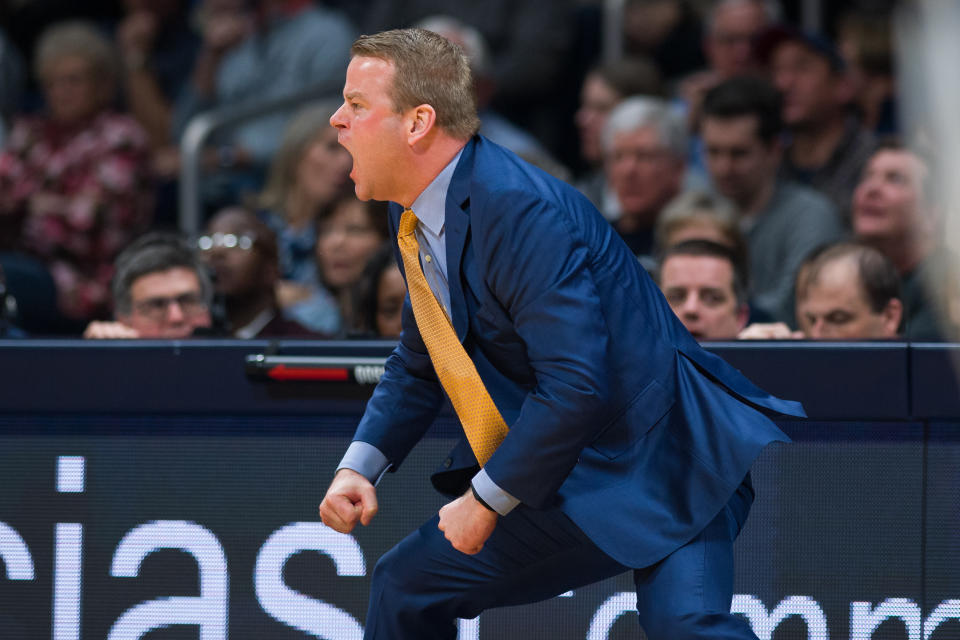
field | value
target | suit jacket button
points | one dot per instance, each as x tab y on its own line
447	463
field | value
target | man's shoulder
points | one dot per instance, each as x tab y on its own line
499	175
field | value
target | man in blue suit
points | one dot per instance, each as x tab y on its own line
628	445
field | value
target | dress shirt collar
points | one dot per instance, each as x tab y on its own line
256	325
430	205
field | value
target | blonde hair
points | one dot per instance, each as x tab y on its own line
301	132
429	70
697	207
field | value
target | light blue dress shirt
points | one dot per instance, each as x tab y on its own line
430	209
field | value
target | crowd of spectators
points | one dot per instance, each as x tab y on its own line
757	170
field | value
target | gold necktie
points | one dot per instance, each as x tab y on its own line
480	418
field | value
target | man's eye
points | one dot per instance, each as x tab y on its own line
712	298
839	318
675	296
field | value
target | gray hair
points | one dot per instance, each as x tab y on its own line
472	42
82	39
154	253
771	9
641	112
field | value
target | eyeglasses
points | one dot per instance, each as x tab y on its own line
190	304
226	241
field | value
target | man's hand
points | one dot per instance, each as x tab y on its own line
770	331
466	523
109	330
350	499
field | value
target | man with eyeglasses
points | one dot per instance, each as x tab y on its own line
242	253
160	290
644	149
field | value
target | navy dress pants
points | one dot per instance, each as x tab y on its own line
421	586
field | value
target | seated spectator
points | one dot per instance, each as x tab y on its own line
828	146
704	284
782	220
894	211
309	173
380	295
258	51
160	290
731	27
844	291
604	87
242	251
347	237
74	185
645	147
702	215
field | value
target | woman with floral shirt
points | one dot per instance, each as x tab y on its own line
74	185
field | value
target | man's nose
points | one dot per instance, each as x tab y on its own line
783	79
720	164
337	120
175	312
817	330
690	306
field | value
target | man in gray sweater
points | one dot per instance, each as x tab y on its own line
782	220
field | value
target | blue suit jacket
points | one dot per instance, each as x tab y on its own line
616	414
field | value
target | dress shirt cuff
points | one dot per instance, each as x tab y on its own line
498	499
366	460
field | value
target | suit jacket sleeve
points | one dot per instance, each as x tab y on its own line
539	267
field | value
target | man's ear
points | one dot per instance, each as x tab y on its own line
892	316
844	89
743	316
420	123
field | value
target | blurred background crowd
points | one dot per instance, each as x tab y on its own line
167	167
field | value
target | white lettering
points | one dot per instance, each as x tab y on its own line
209	610
608	613
67	577
292	608
468	629
864	620
944	611
763	623
70	474
15	554
367	374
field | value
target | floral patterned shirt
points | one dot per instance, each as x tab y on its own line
75	198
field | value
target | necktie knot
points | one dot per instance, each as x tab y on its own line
408	223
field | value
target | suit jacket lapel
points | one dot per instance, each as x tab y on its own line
457	223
